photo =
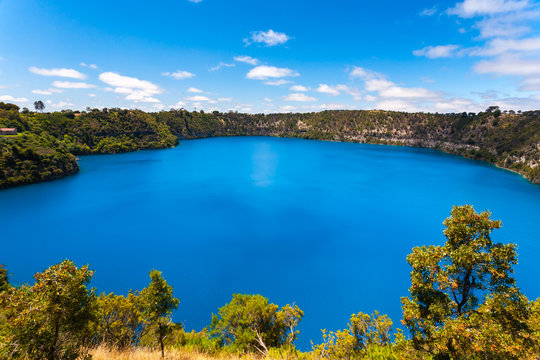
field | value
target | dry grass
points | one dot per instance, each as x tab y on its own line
102	353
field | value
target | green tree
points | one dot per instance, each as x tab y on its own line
366	336
119	322
158	304
49	320
39	105
464	290
250	322
4	279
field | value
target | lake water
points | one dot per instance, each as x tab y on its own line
324	225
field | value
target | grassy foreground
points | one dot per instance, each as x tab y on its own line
103	353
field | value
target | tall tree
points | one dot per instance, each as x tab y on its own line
158	304
461	285
251	322
49	319
39	105
119	323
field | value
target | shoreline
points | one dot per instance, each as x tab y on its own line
350	141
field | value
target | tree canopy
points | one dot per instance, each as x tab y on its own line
252	323
158	304
463	288
49	319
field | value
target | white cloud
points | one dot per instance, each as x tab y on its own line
221	65
329	90
91	66
42	92
224	99
440	51
72	85
453	104
194	90
46	92
502	46
297	88
429	11
398	105
370	98
471	8
195	1
334	90
264	72
287	108
134	89
246	59
70	73
62	104
270	38
277	82
375	82
299	97
530	84
512	25
92	95
406	93
359	72
179	104
179	74
198	98
13	99
509	65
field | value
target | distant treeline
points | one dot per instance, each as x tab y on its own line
463	304
507	139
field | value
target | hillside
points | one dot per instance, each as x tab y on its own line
508	140
47	143
511	141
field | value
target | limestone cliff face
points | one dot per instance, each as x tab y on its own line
511	141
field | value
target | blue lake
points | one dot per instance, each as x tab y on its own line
322	224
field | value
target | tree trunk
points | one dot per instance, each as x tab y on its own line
55	340
161	341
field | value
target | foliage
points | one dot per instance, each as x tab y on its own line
119	322
508	140
27	158
464	302
4	279
250	323
48	320
39	105
158	303
366	335
200	342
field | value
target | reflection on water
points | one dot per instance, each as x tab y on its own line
265	162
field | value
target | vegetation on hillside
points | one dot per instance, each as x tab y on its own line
463	304
509	140
29	158
47	143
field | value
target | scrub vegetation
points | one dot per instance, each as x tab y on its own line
47	143
463	303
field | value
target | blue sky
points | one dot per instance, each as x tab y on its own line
271	56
